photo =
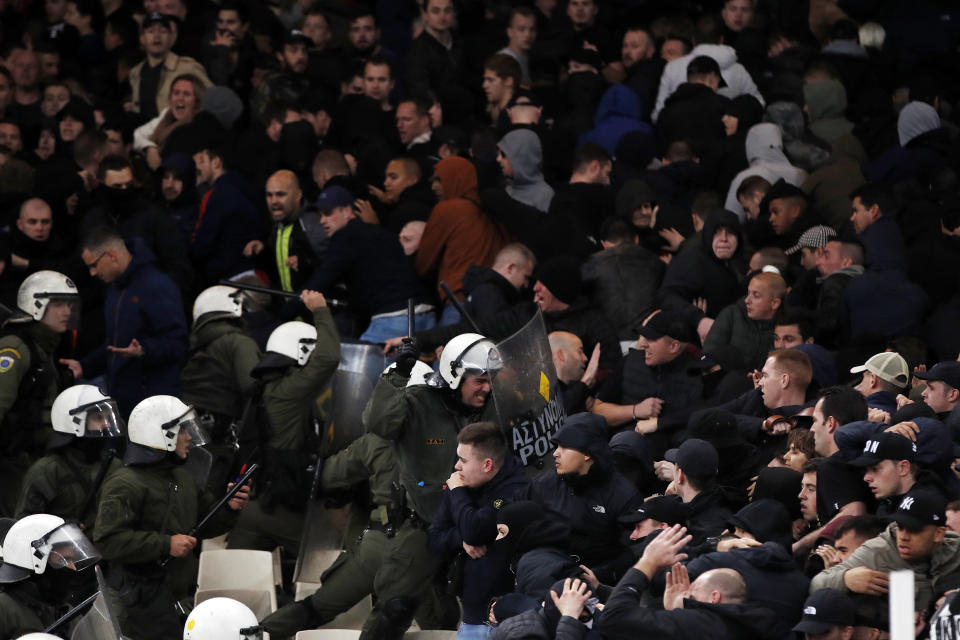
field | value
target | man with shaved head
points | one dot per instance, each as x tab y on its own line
405	196
715	605
575	373
296	240
33	246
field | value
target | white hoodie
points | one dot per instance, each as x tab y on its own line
738	80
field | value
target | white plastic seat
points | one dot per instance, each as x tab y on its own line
329	634
240	571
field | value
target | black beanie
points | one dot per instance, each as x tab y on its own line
561	276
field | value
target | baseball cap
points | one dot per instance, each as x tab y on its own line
886	446
157	18
717	427
947	372
295	36
824	609
333	198
524	98
669	509
670	324
697	458
920	508
705	64
889	366
813	238
726	355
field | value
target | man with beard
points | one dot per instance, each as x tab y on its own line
178	187
124	209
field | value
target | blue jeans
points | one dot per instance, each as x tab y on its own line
449	316
474	631
382	329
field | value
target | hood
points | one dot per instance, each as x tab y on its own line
618	100
631	196
765	144
769	522
825	99
914	120
210	330
522	147
725	55
746	621
883	245
847	148
715	219
788	116
182	165
458	177
781	484
769	556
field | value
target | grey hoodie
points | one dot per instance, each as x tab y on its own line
764	149
522	148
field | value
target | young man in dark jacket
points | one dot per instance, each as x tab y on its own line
465	525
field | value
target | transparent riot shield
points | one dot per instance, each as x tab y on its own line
199	463
340	405
101	622
525	392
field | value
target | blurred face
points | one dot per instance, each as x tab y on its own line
771	383
644	528
916	545
672	49
497	89
55	10
474	469
333	221
183	444
730	124
283	198
10	136
205	167
70	128
581	13
377	82
574	360
940	396
637	47
35	220
737	14
862	217
410	125
786	336
183	101
103	265
316	28
439	15
831	259
411	235
571	461
809	257
519	275
660	351
294	57
506	167
474	390
643	217
848	543
808	497
54	98
229	20
822	437
47	144
953	520
363	33
782	215
115	144
57	315
352	87
794	458
396	179
725	243
172	186
49	65
5	94
761	304
546	300
522	33
157	40
883	478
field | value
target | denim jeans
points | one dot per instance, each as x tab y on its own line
474	631
382	329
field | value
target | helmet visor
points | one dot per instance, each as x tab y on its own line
62	312
188	423
481	357
68	548
101	419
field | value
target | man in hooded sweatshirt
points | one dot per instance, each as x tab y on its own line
765	154
520	155
458	234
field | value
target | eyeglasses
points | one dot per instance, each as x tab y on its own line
93	264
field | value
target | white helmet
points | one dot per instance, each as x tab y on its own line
224	301
39	288
419	375
42	541
156	422
39	635
467	353
221	619
86	412
295	340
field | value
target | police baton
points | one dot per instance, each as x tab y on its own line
459	307
73	611
240	482
411	320
332	303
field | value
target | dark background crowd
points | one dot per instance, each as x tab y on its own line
740	219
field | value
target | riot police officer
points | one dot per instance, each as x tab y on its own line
38	551
147	507
221	619
423	422
217	378
299	360
65	482
47	306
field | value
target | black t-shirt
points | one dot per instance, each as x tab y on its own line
839	484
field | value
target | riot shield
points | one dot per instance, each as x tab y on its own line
525	392
101	621
340	404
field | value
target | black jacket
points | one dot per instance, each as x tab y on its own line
488	292
624	280
708	513
623	617
470	515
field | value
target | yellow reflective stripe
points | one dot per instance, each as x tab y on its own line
283	252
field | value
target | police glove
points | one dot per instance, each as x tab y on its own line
407	354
